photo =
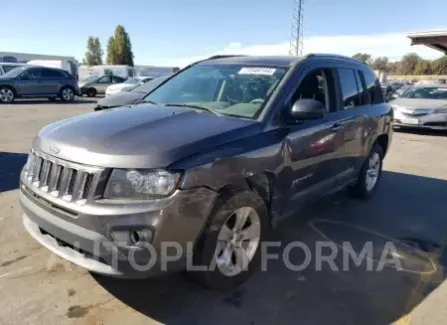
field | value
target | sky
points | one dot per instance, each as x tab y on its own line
175	33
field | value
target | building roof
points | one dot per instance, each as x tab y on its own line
436	40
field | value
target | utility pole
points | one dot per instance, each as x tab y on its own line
296	36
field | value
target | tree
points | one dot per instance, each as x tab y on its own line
423	67
119	48
409	63
93	56
98	52
111	52
364	57
394	67
380	63
439	66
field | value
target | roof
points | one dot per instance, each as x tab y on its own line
273	61
436	40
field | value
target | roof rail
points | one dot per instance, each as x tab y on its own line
213	57
335	56
223	56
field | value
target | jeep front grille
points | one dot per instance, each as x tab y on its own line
62	179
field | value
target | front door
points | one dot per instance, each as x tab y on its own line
313	147
29	83
102	83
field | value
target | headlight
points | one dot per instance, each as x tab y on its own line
29	162
440	111
141	184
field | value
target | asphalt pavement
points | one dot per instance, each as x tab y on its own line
408	211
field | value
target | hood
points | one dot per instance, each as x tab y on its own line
145	136
119	87
413	103
3	78
120	99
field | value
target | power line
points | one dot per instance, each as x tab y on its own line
296	35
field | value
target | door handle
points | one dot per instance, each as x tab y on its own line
337	127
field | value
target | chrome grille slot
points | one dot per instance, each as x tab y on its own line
63	180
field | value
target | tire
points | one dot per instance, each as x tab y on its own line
213	252
365	187
91	92
7	95
67	94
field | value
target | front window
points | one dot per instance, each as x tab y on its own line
235	90
426	93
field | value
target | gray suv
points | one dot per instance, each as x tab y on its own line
195	175
37	82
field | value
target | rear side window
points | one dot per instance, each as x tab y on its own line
52	74
349	88
364	97
373	87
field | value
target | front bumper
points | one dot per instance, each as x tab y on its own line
427	121
86	240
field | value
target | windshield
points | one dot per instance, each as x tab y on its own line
149	85
426	93
235	90
132	81
14	72
90	79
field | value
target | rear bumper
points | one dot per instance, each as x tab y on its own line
87	241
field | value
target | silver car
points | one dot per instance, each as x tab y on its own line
422	106
94	85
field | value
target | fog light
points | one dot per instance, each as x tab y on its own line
132	237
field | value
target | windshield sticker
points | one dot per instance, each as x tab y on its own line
258	71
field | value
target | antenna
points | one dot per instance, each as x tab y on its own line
296	36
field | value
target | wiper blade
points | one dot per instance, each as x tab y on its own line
204	108
145	102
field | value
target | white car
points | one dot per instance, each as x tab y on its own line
127	85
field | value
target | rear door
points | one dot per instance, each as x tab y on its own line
354	106
52	80
29	82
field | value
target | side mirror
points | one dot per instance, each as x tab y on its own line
308	109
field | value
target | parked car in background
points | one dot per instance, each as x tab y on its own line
7	66
37	82
128	84
387	91
422	106
66	65
123	71
129	96
400	91
214	157
94	85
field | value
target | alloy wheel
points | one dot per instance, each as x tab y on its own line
237	241
67	94
6	95
373	171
